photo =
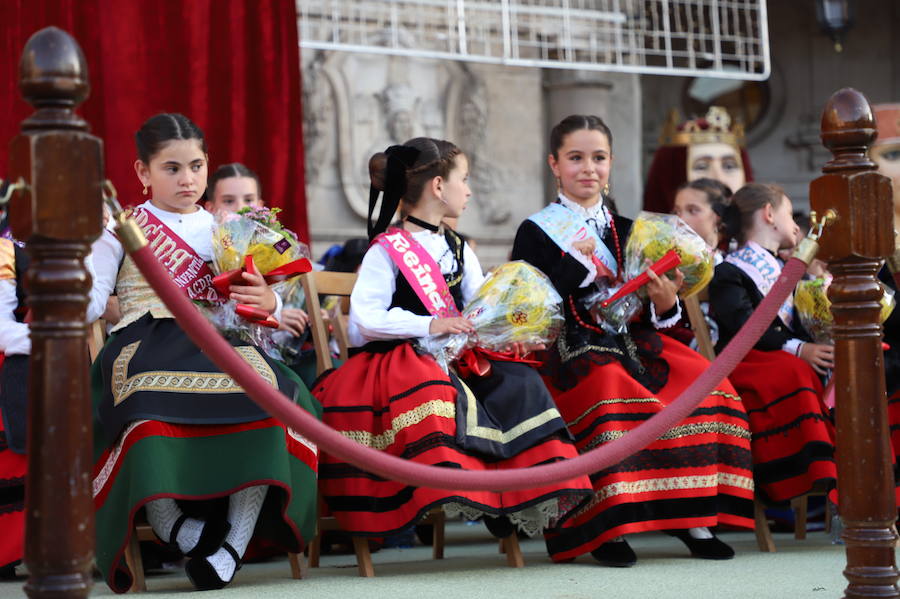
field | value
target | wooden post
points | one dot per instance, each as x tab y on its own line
58	217
854	246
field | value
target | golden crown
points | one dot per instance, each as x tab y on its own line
715	127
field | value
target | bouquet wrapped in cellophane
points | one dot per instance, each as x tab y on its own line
813	307
667	242
252	240
255	232
654	235
517	303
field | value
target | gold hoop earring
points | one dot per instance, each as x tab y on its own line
606	189
145	189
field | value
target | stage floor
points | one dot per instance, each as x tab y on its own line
472	569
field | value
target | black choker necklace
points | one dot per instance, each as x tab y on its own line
423	224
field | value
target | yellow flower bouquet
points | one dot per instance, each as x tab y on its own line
517	303
654	235
813	307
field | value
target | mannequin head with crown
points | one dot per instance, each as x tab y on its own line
886	149
708	147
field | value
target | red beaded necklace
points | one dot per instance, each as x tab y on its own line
620	264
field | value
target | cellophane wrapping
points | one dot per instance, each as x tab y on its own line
812	306
653	235
517	303
256	232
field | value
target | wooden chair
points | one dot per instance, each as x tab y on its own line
799	504
142	529
341	284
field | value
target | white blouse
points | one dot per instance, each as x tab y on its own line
14	337
371	317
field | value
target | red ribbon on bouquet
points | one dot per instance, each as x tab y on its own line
476	362
663	265
233	277
258	316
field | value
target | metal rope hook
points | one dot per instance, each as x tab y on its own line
19	185
128	231
809	246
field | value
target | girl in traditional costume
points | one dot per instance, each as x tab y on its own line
172	433
885	152
234	186
695	476
779	380
413	282
15	347
701	204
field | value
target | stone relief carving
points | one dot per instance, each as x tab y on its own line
470	132
358	104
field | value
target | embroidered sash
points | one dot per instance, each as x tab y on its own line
565	227
420	271
764	270
187	269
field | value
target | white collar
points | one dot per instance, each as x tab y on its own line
597	211
166	216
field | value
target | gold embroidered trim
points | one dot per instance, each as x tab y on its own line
170	381
435	407
492	434
7	259
678	432
607	402
727	395
674	483
639	400
567	355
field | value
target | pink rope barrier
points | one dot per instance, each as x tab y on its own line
275	403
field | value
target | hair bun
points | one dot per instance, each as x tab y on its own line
378	170
731	218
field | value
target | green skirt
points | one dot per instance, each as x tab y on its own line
200	465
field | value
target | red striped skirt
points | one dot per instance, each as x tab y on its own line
697	474
402	403
893	413
13	467
793	436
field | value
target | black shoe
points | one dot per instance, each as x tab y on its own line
500	526
616	554
712	548
204	577
211	537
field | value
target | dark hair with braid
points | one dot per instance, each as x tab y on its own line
577	122
160	129
402	172
227	171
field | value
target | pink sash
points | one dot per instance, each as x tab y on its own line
420	271
187	269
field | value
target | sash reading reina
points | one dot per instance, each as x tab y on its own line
188	270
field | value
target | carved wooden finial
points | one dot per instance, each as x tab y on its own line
848	129
53	77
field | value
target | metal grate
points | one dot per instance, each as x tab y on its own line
713	38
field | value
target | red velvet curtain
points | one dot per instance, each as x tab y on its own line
232	66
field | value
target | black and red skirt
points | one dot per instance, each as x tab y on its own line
401	402
13	467
793	435
697	474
